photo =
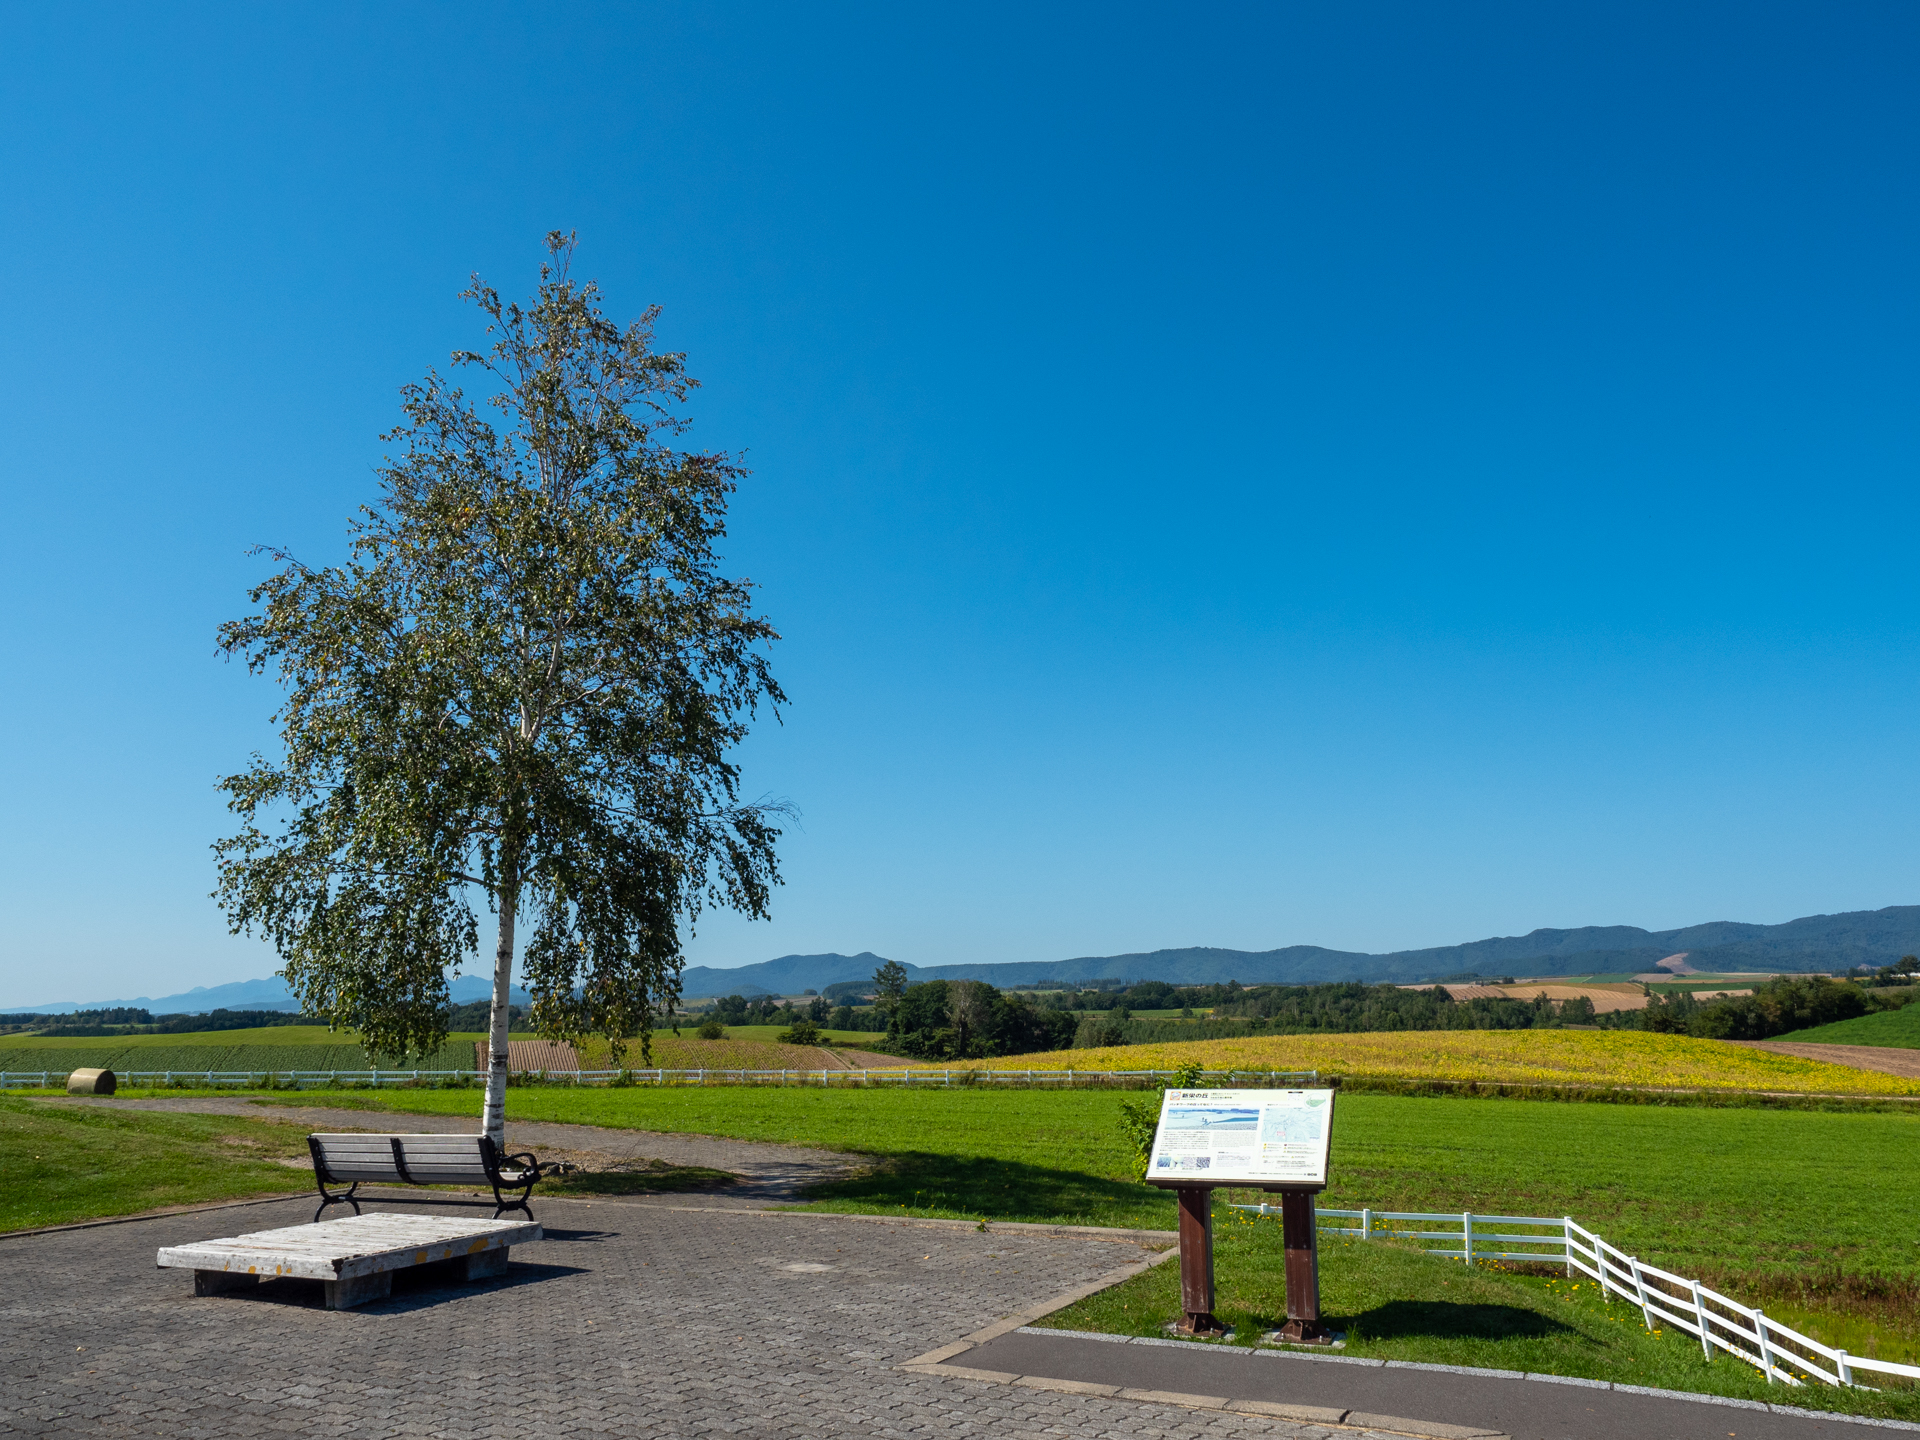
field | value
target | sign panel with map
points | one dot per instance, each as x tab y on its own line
1242	1137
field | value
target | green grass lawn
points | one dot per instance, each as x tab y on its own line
1396	1304
1742	1195
77	1162
1017	1154
1899	1028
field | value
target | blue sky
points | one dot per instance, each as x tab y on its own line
1366	475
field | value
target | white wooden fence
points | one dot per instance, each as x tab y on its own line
877	1077
1663	1298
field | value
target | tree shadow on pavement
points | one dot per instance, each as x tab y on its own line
974	1187
654	1177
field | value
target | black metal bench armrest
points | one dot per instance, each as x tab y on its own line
518	1169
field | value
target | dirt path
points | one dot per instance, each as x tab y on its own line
768	1173
1887	1059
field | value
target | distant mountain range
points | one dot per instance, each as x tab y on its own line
268	994
1816	942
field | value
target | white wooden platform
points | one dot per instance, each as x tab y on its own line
355	1257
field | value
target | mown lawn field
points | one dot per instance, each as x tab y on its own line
1898	1028
1393	1303
1714	1192
65	1162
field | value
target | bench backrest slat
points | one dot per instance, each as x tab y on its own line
423	1159
356	1157
444	1159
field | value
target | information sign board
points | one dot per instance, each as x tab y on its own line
1242	1137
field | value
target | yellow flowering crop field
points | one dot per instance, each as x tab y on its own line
1531	1057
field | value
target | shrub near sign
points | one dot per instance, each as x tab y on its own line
1242	1137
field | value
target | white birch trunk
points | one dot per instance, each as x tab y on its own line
494	1116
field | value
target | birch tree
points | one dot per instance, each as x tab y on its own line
520	694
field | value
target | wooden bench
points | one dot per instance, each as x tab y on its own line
354	1160
354	1258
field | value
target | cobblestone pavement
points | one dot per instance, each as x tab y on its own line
630	1320
768	1173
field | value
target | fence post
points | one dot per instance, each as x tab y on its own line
1766	1350
1640	1292
1700	1314
1366	1224
1842	1368
1466	1237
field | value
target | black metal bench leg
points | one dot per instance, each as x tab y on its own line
326	1200
501	1204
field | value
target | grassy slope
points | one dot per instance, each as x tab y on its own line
1899	1028
73	1162
1398	1305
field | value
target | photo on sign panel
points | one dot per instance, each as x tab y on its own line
1252	1137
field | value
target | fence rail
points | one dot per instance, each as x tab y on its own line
877	1077
1783	1354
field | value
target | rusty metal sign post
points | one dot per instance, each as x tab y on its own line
1272	1140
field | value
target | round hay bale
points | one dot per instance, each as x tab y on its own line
91	1082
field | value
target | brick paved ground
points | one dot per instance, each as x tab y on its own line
630	1320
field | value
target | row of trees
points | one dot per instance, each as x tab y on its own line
1778	1007
961	1019
968	1019
1340	1008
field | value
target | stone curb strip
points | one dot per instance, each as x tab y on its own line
1326	1416
936	1362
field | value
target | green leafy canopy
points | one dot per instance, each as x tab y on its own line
524	685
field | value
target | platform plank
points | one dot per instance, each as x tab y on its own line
349	1248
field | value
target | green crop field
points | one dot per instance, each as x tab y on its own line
272	1047
1899	1028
